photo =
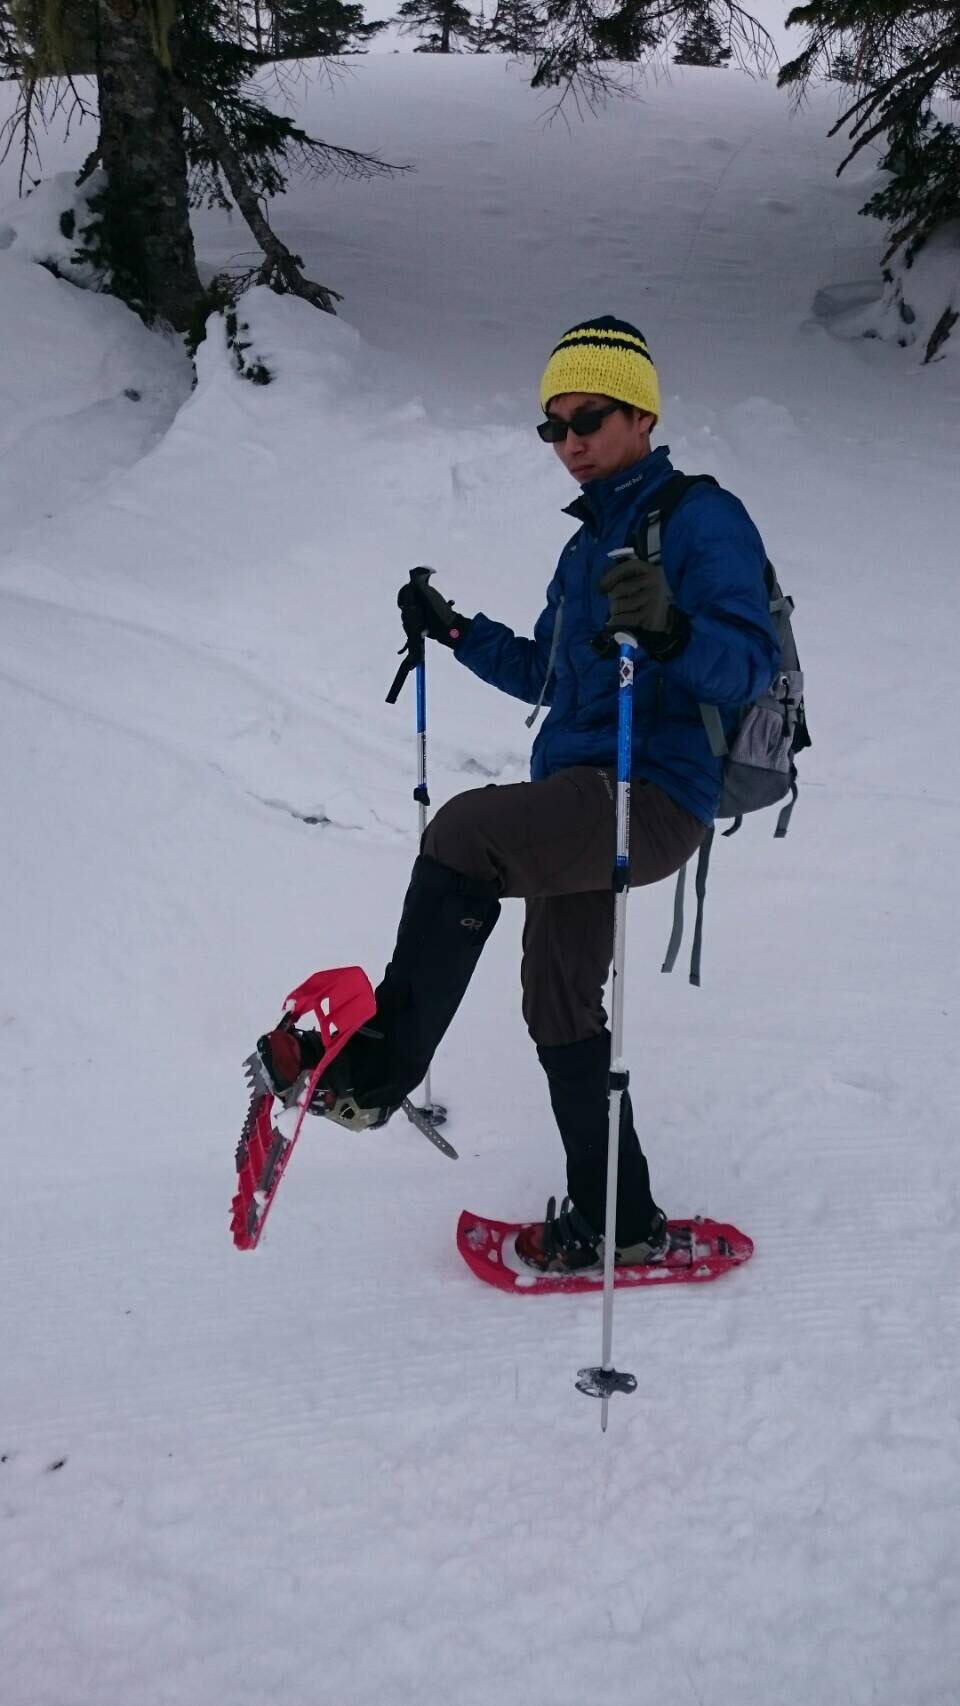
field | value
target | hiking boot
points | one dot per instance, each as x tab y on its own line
346	1110
651	1248
565	1243
287	1055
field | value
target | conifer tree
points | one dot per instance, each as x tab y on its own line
702	42
516	27
843	67
178	121
629	34
302	29
440	24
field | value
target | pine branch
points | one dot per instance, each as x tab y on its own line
281	267
39	101
904	108
867	103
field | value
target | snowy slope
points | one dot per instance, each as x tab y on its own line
340	1471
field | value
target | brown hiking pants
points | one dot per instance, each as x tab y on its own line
553	844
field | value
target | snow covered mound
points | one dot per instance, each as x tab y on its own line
341	1470
86	390
913	306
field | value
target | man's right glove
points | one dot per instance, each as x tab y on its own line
641	602
423	610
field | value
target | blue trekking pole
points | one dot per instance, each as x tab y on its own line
602	1382
433	1110
416	658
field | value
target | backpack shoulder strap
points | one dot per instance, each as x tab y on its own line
647	541
647	538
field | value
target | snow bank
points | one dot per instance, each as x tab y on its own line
914	306
85	389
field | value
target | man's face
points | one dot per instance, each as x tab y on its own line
622	438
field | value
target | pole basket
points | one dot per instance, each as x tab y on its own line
603	1382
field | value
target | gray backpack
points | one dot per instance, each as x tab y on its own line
759	767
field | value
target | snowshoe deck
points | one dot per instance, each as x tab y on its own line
341	1001
700	1250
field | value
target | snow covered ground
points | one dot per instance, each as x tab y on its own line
340	1472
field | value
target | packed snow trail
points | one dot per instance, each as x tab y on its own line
343	1470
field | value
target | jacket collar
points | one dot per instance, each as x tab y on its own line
603	500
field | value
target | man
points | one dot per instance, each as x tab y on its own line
704	637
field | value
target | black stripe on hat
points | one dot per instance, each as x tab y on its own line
570	342
606	323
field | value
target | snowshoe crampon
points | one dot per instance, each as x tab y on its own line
340	1002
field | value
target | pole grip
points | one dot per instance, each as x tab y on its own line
413	650
606	643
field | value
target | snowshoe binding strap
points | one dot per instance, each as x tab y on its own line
561	1243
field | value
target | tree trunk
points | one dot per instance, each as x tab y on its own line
146	216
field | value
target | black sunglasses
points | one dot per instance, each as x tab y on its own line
584	423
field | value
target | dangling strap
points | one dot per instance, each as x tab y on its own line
676	934
551	660
783	821
714	726
781	609
703	866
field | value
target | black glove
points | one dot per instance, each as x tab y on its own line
423	610
641	603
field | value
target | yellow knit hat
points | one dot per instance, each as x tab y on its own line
605	357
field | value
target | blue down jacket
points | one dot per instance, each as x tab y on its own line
713	557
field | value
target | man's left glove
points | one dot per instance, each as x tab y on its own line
641	602
424	610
